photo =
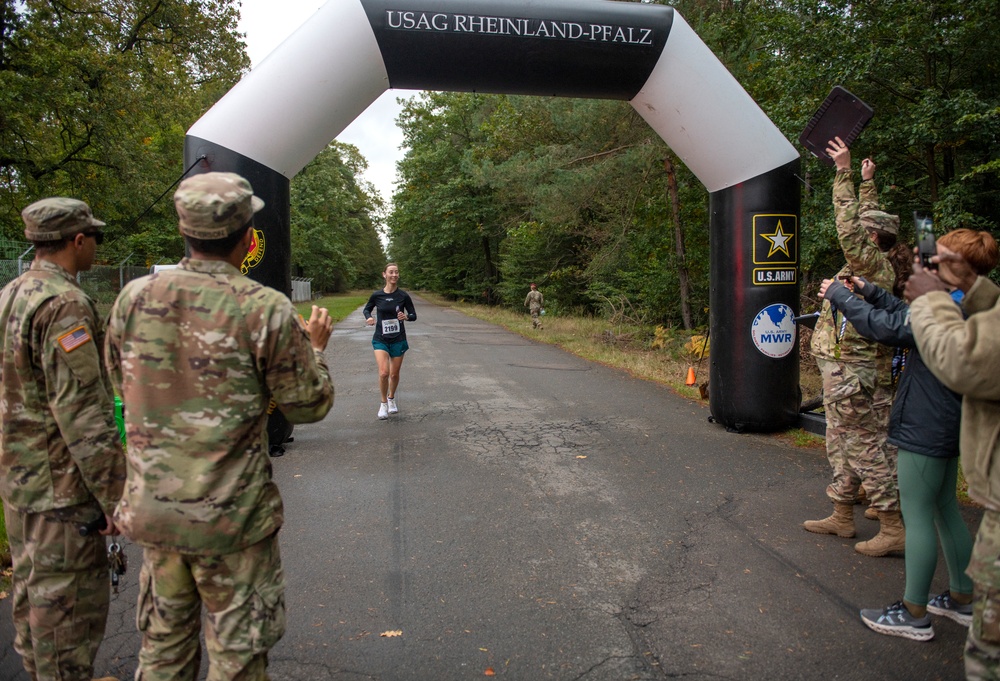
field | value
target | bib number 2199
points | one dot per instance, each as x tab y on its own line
390	327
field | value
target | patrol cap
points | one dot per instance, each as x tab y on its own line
214	205
877	219
56	218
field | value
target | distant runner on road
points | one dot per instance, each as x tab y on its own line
387	310
534	301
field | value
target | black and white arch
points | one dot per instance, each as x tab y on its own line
289	107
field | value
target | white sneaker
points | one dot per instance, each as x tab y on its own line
383	411
393	409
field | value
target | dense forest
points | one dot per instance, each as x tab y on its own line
580	196
95	99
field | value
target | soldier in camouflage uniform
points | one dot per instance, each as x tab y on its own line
965	355
198	353
534	301
61	462
857	386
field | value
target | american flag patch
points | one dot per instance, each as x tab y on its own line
74	339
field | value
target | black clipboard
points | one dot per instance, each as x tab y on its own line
840	115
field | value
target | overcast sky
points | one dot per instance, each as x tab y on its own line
267	23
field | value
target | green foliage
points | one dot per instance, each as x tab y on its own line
95	97
335	241
95	100
931	71
498	191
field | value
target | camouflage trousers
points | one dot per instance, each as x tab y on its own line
243	595
856	429
60	592
982	647
535	319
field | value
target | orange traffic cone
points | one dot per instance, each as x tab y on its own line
690	378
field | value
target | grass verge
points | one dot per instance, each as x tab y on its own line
340	305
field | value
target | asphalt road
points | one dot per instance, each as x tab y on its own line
530	515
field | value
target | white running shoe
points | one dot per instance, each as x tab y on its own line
383	411
393	409
943	605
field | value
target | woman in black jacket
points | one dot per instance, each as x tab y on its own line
924	425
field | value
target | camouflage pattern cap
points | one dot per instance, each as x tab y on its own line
877	219
56	218
214	205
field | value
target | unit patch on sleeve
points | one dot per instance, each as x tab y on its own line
256	252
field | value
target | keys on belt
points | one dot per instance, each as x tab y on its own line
117	563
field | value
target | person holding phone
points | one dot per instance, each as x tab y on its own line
964	353
387	310
924	425
856	372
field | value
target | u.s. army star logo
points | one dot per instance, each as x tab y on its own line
779	241
775	249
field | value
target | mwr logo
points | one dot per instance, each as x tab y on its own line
773	330
256	252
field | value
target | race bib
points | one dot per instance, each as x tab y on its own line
390	327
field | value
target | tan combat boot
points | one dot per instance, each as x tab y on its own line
841	523
871	513
891	536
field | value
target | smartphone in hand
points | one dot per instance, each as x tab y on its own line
923	226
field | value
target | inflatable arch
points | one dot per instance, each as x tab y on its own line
288	108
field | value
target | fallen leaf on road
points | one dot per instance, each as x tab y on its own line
581	457
489	672
391	634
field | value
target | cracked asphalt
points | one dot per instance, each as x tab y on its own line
531	515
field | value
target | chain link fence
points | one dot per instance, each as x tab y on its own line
103	282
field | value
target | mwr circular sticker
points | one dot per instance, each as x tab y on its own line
256	252
773	330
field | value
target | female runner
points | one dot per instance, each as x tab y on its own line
386	310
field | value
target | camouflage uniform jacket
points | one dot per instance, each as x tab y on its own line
965	355
533	301
59	445
864	259
199	352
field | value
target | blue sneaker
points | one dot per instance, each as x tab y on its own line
896	620
946	607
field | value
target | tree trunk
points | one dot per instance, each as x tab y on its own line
489	270
682	271
932	175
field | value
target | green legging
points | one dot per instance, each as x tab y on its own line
927	498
